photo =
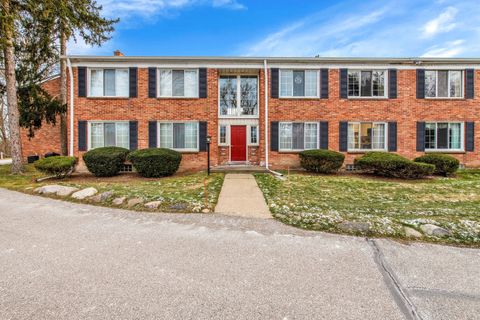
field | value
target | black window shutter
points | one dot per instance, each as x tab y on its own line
343	136
133	135
469	83
152	134
152	82
344	83
420	136
470	136
420	83
324	84
392	83
324	135
202	135
392	136
82	81
274	136
202	82
82	135
274	83
132	85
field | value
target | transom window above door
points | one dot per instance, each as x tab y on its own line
108	83
299	83
443	84
367	83
178	83
238	96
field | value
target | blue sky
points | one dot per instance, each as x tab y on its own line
368	28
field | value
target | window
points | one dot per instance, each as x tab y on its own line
299	83
298	136
367	83
178	83
109	134
238	95
443	84
253	135
223	135
367	136
182	136
444	136
109	83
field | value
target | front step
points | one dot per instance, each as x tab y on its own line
238	168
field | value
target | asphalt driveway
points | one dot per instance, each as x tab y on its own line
61	260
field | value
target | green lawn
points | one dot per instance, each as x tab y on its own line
179	193
321	202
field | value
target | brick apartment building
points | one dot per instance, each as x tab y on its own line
266	110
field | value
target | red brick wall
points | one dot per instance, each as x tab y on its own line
47	138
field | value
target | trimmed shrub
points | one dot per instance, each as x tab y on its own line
105	162
57	166
444	164
155	162
392	165
321	161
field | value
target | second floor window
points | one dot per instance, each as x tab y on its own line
178	83
367	83
299	83
367	136
109	83
238	95
443	84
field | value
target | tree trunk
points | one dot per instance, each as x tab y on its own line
11	83
63	95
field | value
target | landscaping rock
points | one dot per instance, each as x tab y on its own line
178	206
61	191
102	196
85	193
133	202
206	210
412	233
153	204
119	201
354	227
436	231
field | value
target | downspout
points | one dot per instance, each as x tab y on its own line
265	72
69	66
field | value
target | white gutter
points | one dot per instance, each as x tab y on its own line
265	71
69	65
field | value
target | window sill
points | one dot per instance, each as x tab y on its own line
444	98
109	98
240	116
366	150
299	98
368	98
446	151
177	98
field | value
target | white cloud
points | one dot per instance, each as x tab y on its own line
450	49
443	23
230	4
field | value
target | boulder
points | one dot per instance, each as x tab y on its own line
206	210
84	193
133	202
435	231
412	233
59	190
153	204
119	201
102	196
354	227
178	207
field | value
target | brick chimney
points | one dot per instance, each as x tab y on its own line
118	53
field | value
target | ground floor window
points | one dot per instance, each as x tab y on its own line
109	134
298	136
181	136
444	136
367	136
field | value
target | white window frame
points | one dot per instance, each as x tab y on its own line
89	132
304	122
385	142
89	71
227	135
239	101
298	97
178	149
196	96
462	137
249	137
462	87
385	84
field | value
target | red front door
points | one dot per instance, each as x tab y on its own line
238	141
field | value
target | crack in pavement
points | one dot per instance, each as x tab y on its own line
420	291
399	293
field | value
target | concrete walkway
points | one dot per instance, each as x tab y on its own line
240	196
